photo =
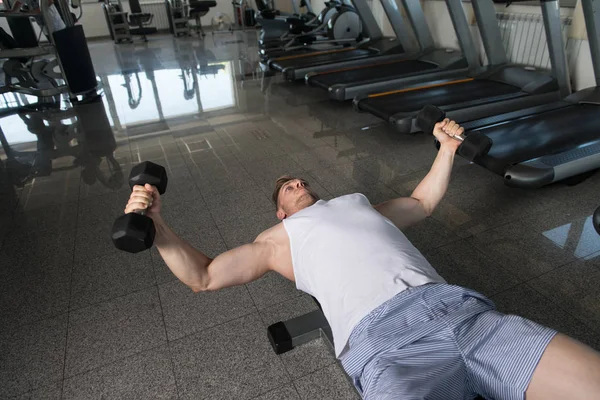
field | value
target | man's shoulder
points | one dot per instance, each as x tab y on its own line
275	232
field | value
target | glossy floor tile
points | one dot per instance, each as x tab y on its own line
80	320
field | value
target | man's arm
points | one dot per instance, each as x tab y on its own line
201	273
407	211
198	271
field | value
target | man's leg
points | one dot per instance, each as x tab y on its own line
567	370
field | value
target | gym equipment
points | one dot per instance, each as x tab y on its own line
344	82
286	335
75	59
140	20
116	20
180	12
296	66
135	232
274	23
178	17
123	25
244	14
498	88
473	145
540	145
69	51
338	24
199	9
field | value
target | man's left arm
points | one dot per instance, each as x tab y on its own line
407	211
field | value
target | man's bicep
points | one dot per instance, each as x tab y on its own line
403	212
241	265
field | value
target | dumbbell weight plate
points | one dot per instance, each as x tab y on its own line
133	232
151	173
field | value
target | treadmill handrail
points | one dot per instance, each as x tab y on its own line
484	123
424	87
375	64
314	53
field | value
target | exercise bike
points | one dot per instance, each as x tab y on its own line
342	28
275	23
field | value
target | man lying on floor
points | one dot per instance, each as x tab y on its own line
400	331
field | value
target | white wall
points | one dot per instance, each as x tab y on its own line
440	24
443	34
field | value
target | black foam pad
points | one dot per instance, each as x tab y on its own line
475	145
596	220
428	117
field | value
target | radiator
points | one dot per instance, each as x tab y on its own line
524	39
159	9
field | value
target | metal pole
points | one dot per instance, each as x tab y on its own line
416	17
390	7
591	13
65	11
485	13
294	6
44	6
463	32
370	26
556	46
309	7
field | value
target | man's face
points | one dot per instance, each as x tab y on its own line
294	196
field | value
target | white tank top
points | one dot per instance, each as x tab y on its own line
352	259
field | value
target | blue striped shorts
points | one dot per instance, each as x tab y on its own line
440	341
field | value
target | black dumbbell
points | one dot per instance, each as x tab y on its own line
135	232
475	144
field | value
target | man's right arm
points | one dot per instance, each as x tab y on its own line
198	271
201	273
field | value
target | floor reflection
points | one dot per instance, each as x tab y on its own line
578	237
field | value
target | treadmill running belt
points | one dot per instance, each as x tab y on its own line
542	134
274	53
413	101
319	59
372	73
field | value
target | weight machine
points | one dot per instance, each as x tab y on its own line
66	50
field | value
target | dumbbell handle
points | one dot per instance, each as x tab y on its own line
460	138
429	116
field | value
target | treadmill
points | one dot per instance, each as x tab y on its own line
548	143
295	66
499	89
374	74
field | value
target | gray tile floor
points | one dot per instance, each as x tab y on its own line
80	320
